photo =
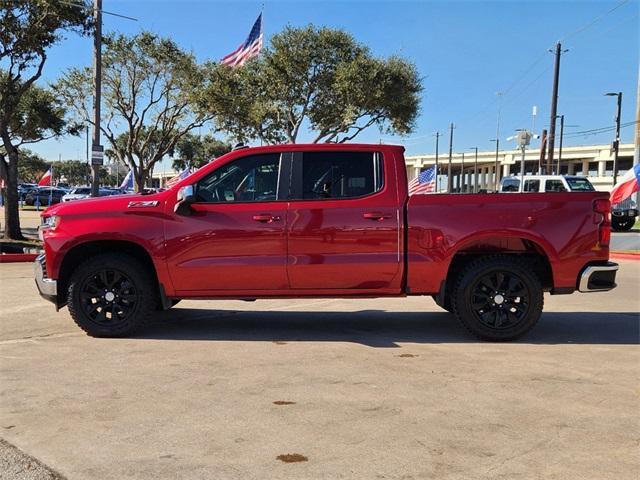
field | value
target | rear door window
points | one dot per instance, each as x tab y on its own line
338	175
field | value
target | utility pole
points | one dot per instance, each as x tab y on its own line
449	178
560	148
543	149
475	171
96	149
616	141
495	176
437	167
554	107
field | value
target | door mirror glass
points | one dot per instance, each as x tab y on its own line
186	196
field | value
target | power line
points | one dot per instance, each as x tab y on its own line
594	21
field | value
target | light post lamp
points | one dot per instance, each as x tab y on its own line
475	170
616	142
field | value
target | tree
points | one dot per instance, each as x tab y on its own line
75	172
150	88
27	29
195	151
31	166
319	78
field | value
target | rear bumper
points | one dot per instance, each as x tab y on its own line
47	287
598	278
631	212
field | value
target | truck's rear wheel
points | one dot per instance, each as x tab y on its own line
623	224
111	295
498	298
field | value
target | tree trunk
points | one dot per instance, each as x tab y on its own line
141	179
11	213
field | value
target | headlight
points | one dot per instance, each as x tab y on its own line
50	222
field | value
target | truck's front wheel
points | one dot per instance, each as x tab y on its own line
623	224
498	298
111	295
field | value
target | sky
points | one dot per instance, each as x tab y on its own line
465	51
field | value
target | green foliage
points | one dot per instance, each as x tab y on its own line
195	151
36	117
27	29
150	88
31	166
316	77
75	172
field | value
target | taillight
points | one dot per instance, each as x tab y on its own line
603	208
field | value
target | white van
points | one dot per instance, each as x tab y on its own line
546	183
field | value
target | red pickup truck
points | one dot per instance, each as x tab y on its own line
322	221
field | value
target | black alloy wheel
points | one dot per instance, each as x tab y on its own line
108	297
111	295
500	300
498	297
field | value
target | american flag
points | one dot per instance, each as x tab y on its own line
425	182
172	181
249	49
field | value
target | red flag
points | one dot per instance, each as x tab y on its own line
45	181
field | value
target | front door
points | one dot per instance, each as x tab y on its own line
343	224
234	241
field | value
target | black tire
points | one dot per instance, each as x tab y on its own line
508	279
121	277
622	224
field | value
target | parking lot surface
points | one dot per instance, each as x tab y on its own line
324	389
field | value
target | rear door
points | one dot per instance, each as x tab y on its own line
343	223
234	241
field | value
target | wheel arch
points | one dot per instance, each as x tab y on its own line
82	251
529	249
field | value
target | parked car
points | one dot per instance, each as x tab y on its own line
624	215
80	193
546	183
324	220
46	195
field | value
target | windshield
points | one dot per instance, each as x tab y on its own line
579	184
510	185
81	191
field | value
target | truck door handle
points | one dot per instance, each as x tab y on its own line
379	216
266	218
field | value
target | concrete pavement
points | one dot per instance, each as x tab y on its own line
388	388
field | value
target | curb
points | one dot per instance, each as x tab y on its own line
17	257
625	255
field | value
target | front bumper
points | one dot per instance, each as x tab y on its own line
47	287
598	278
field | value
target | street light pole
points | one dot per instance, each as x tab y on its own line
616	142
449	178
462	175
475	171
437	168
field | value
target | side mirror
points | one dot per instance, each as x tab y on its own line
186	196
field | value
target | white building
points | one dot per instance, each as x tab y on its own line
593	161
